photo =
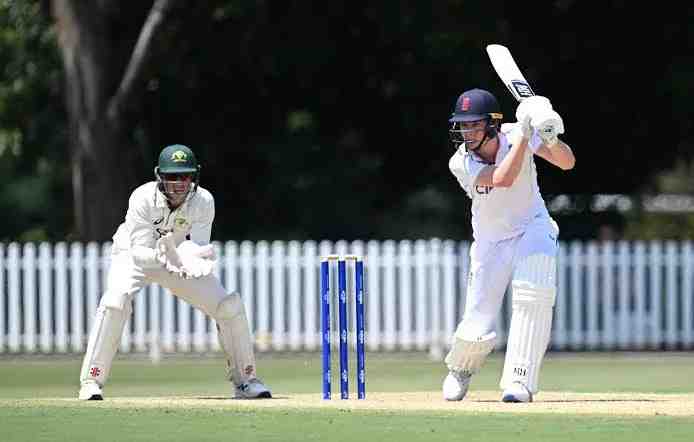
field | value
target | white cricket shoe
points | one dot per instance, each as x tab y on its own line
253	389
90	391
517	392
455	385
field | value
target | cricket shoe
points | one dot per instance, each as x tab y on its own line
90	391
253	389
517	392
455	385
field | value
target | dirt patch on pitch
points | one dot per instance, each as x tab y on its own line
626	404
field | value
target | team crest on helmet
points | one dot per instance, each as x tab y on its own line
179	157
465	105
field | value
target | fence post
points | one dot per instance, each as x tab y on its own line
262	331
405	292
390	299
421	295
592	299
577	300
560	336
687	314
309	264
28	273
609	316
373	305
671	298
655	294
45	297
434	258
294	300
3	309
639	320
278	295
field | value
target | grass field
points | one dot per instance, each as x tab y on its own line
585	397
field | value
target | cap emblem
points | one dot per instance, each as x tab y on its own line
179	157
465	105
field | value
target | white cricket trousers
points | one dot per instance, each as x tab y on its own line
492	264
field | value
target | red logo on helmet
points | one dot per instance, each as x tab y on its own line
465	105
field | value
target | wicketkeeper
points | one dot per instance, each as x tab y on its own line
165	239
515	239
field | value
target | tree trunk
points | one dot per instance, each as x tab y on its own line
102	81
103	177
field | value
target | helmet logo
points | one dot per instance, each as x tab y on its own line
465	105
179	157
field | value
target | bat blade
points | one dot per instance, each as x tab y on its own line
507	69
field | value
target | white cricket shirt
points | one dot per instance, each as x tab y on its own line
500	213
149	217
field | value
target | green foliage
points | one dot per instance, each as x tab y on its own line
34	164
330	121
646	226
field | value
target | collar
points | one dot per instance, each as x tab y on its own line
160	201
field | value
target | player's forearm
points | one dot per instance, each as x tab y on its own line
563	156
509	168
145	257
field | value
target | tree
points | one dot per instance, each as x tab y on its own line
33	166
106	56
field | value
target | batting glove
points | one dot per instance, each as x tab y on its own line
526	127
531	105
548	124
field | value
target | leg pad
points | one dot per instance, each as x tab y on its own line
103	343
534	294
235	338
469	353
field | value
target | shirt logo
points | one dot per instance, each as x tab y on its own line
181	223
483	190
162	232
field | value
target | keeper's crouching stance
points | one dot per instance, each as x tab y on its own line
165	240
515	239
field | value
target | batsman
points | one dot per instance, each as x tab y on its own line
514	238
165	239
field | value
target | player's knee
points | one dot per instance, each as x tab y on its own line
116	300
229	307
534	280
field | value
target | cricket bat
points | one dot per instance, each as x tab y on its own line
507	69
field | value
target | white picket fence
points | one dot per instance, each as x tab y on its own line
612	295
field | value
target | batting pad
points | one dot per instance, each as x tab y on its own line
235	339
103	343
469	353
534	292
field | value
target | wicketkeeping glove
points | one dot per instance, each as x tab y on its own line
191	248
168	257
197	260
